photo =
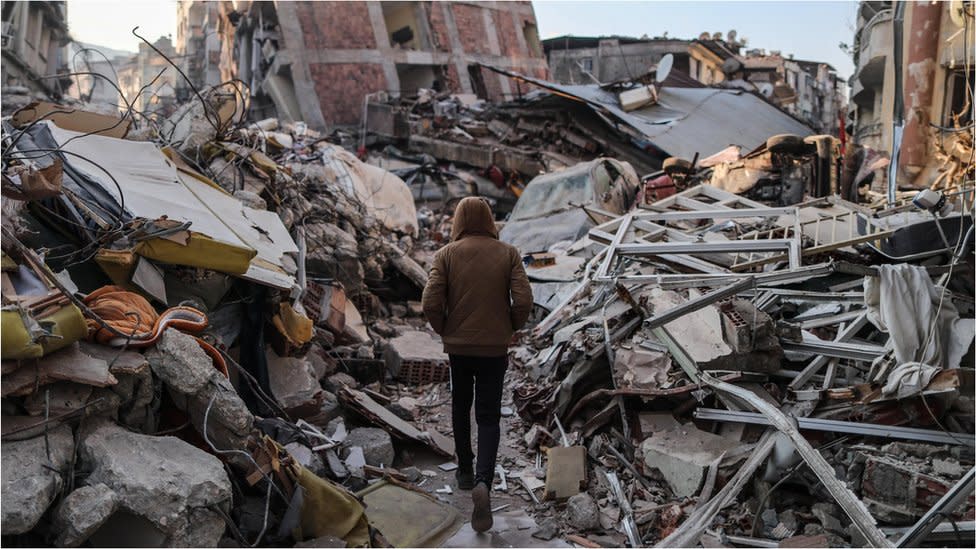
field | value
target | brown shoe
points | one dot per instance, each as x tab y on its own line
481	520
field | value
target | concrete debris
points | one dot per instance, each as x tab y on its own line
376	445
229	348
175	486
683	455
29	483
204	393
82	512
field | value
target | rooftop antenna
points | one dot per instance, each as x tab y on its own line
643	96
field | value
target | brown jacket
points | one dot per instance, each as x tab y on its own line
477	294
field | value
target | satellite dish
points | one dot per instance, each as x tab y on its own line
731	66
664	68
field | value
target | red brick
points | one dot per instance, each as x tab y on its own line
507	37
342	86
335	25
438	26
453	81
470	23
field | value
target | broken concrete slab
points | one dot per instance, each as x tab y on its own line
378	415
29	486
68	364
82	512
700	332
294	385
641	368
164	480
376	444
683	456
58	398
199	389
566	472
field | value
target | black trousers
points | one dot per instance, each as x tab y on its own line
478	380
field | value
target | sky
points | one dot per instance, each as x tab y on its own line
810	30
109	23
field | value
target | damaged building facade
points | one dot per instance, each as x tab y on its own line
911	92
34	38
316	61
809	90
581	60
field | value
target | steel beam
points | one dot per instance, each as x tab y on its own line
831	425
698	303
852	506
844	335
836	349
717	214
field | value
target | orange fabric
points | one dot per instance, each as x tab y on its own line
116	306
111	303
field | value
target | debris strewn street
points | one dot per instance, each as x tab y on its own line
753	320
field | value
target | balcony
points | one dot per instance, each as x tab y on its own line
876	38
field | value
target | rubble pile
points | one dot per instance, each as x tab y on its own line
212	334
689	351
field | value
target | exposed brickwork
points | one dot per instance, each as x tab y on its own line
335	25
453	81
507	37
438	27
470	23
342	86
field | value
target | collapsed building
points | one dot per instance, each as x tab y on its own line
911	92
809	90
315	61
211	333
34	36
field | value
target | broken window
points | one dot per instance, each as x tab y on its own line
958	98
477	81
587	64
414	77
531	34
404	25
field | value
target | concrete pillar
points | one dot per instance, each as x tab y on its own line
457	51
921	49
308	99
382	36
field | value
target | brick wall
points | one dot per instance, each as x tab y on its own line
341	88
505	27
335	25
453	80
438	27
471	28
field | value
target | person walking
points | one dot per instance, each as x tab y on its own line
477	296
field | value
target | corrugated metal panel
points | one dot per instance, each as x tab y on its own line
689	120
704	120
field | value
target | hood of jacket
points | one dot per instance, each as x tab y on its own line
473	217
